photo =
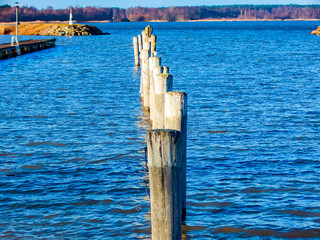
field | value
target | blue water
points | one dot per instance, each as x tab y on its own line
72	133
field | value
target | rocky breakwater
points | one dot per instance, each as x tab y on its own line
48	29
317	31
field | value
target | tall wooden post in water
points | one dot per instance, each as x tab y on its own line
175	117
153	63
136	51
153	41
139	47
162	84
145	79
164	172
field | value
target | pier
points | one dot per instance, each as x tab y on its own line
8	50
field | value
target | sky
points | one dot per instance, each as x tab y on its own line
40	4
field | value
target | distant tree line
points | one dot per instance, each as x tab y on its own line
7	13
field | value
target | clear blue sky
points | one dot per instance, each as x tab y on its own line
146	3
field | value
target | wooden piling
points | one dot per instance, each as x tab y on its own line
145	41
139	47
162	84
153	43
148	30
164	172
156	70
153	62
175	114
145	79
160	69
136	51
144	36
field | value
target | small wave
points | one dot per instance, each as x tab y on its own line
110	134
129	211
186	228
8	235
95	221
143	230
254	190
40	116
113	124
32	167
73	160
292	233
56	144
221	131
27	154
208	204
6	154
50	216
301	213
229	229
300	233
62	224
92	202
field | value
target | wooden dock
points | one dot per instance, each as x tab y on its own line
29	46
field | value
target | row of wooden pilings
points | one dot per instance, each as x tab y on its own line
166	142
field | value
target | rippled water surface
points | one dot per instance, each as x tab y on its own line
72	133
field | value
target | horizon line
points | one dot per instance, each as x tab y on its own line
227	5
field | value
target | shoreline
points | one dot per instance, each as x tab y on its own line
249	20
51	29
198	20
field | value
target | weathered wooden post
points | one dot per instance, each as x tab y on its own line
153	40
153	62
148	30
145	41
144	36
141	86
175	114
162	84
140	47
136	51
160	69
145	79
156	70
164	172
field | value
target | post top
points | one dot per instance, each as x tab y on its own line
164	75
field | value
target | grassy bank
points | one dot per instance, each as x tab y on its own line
51	29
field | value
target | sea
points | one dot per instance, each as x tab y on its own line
73	163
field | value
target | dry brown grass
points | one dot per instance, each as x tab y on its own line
28	29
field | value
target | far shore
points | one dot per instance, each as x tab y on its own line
199	20
248	20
